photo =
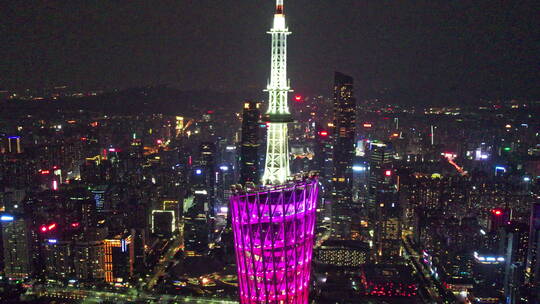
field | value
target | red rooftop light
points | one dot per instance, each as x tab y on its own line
323	133
298	98
388	172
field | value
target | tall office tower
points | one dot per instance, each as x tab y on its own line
532	268
249	158
276	169
274	225
17	253
58	256
517	242
323	153
208	127
207	159
273	234
384	204
380	161
207	155
344	136
119	258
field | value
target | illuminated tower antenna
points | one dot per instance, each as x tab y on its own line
276	168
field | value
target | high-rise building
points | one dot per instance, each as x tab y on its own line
344	136
323	153
380	161
205	175
274	225
249	150
119	258
517	239
88	258
388	229
163	223
384	202
59	262
17	252
344	133
532	268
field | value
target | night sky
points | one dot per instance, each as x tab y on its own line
437	49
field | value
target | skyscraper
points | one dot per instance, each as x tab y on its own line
206	177
249	158
380	160
344	151
344	135
274	225
532	268
17	254
384	203
517	239
276	169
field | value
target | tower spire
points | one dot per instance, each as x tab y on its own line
277	148
279	7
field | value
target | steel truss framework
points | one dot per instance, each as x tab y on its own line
273	234
276	168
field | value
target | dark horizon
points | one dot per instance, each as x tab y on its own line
432	52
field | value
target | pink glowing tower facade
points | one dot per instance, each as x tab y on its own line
273	235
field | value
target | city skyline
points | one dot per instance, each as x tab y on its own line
402	180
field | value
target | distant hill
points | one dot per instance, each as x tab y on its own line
164	100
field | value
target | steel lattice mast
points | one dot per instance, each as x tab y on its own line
276	168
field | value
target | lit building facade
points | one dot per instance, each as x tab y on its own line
249	151
273	234
532	268
118	259
343	253
17	255
344	135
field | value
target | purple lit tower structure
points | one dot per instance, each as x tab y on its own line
273	234
274	223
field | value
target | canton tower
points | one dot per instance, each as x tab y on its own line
276	169
274	224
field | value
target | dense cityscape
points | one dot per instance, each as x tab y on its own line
158	195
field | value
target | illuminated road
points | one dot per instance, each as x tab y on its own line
90	296
425	275
168	257
450	158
